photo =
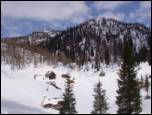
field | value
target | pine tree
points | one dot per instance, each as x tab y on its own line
92	52
141	81
115	53
143	53
149	51
107	56
128	99
68	106
147	84
100	100
137	101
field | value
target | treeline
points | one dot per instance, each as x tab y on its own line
19	51
21	54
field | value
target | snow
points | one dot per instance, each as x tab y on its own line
21	87
20	92
144	69
11	107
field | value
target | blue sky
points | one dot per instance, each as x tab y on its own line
23	17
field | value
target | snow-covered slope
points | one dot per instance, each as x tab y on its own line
21	92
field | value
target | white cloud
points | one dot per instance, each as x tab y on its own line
143	12
45	10
118	16
108	5
145	4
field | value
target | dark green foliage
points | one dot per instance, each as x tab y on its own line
115	53
100	100
147	85
141	82
149	51
107	56
68	99
128	99
92	52
143	54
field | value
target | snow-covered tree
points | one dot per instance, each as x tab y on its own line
100	100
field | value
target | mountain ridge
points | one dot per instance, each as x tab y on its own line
97	40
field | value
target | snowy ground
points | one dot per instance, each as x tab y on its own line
10	107
21	93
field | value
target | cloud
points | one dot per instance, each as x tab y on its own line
145	4
117	16
21	17
108	9
108	5
45	10
143	12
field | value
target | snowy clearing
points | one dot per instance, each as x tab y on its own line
21	93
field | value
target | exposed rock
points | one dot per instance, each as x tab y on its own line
71	81
53	106
102	73
50	75
65	76
49	105
35	76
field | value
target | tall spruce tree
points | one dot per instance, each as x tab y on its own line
128	99
149	51
107	56
68	106
100	100
147	85
141	82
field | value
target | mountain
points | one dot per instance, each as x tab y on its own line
96	40
100	40
35	38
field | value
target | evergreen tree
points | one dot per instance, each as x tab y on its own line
141	81
92	52
149	57
147	84
68	106
137	101
128	99
143	53
100	100
107	56
115	51
149	51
